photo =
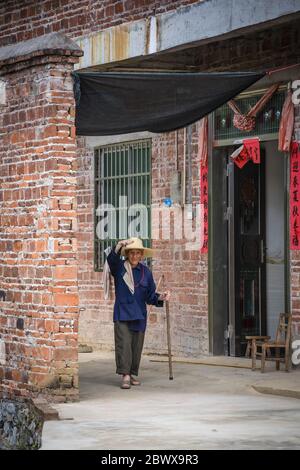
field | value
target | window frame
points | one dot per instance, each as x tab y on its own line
116	174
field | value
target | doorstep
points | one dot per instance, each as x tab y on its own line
272	382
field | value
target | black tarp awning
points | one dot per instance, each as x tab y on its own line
119	103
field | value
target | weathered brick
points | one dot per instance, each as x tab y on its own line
65	272
66	299
92	17
65	354
27	210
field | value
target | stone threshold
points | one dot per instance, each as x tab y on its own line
291	392
49	413
223	361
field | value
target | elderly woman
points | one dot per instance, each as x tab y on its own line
134	288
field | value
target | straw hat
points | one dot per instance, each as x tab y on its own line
137	245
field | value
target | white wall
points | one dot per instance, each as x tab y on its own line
274	235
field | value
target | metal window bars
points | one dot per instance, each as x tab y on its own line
122	179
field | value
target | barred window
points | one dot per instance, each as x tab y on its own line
122	195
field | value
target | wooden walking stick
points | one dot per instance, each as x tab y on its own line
162	278
169	341
169	337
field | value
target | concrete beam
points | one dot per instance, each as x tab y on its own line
214	18
190	25
115	44
99	141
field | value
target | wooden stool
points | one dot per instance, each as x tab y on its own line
252	346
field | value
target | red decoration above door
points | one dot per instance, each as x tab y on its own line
253	149
249	150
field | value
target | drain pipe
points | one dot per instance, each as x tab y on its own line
189	166
176	150
183	170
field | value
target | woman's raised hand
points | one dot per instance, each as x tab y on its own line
126	242
123	243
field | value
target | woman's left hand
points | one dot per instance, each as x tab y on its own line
165	295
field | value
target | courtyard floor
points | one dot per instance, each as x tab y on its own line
204	407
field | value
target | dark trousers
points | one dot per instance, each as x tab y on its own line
128	348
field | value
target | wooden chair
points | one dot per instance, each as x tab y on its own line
265	345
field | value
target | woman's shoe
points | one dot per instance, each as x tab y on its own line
133	381
126	383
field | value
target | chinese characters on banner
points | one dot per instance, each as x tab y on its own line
204	201
253	149
295	197
240	156
250	150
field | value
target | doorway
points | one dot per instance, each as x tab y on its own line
248	255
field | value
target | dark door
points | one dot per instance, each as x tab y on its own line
217	253
246	248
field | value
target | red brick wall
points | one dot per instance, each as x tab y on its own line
21	20
185	269
96	325
262	50
186	272
38	267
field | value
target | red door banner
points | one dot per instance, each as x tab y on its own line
295	197
253	149
204	201
249	150
240	156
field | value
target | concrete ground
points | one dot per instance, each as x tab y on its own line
204	407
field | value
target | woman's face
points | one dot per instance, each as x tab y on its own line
134	257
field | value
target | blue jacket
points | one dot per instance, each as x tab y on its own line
132	307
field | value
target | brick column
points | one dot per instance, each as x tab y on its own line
38	223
